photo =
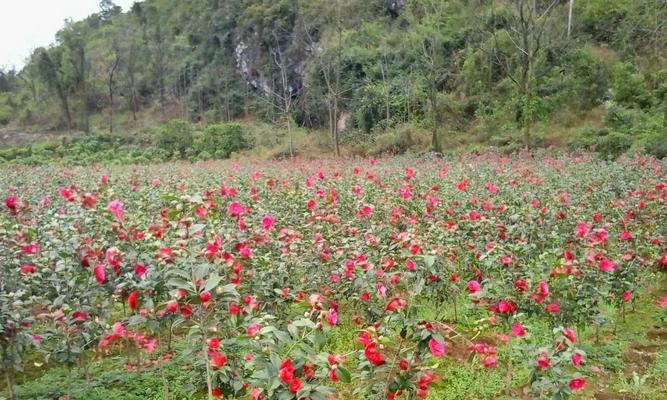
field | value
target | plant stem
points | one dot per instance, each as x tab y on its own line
10	383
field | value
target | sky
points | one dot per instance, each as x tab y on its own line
28	24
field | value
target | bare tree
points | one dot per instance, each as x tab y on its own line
527	35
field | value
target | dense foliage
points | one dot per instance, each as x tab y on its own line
332	279
491	72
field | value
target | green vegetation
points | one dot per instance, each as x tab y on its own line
507	73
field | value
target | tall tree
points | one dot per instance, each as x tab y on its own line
52	72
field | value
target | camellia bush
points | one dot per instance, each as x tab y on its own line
331	279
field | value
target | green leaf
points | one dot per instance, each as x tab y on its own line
344	374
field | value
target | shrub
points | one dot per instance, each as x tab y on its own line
175	136
220	140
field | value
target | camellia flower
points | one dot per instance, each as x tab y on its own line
253	329
569	334
218	360
235	208
396	304
473	286
100	273
627	295
373	355
607	265
132	300
490	361
577	383
577	358
332	317
542	362
436	348
172	306
139	270
213	343
116	208
367	210
518	329
205	296
295	385
28	269
268	221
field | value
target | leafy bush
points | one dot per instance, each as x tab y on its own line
175	136
625	130
220	140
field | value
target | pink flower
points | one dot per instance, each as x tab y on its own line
436	348
410	264
235	208
542	362
490	361
624	235
253	329
577	358
662	302
627	295
367	210
569	333
268	221
607	265
116	208
332	317
473	286
256	393
382	289
518	329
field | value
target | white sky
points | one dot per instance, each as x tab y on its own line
28	24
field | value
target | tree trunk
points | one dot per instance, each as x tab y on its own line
569	19
84	91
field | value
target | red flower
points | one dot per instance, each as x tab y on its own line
139	270
607	265
373	355
396	304
216	392
295	385
172	306
577	358
473	286
286	372
28	269
333	374
542	362
577	383
132	300
213	343
100	273
205	296
218	359
552	307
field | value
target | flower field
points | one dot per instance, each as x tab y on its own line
485	276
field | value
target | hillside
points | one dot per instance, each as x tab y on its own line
374	75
